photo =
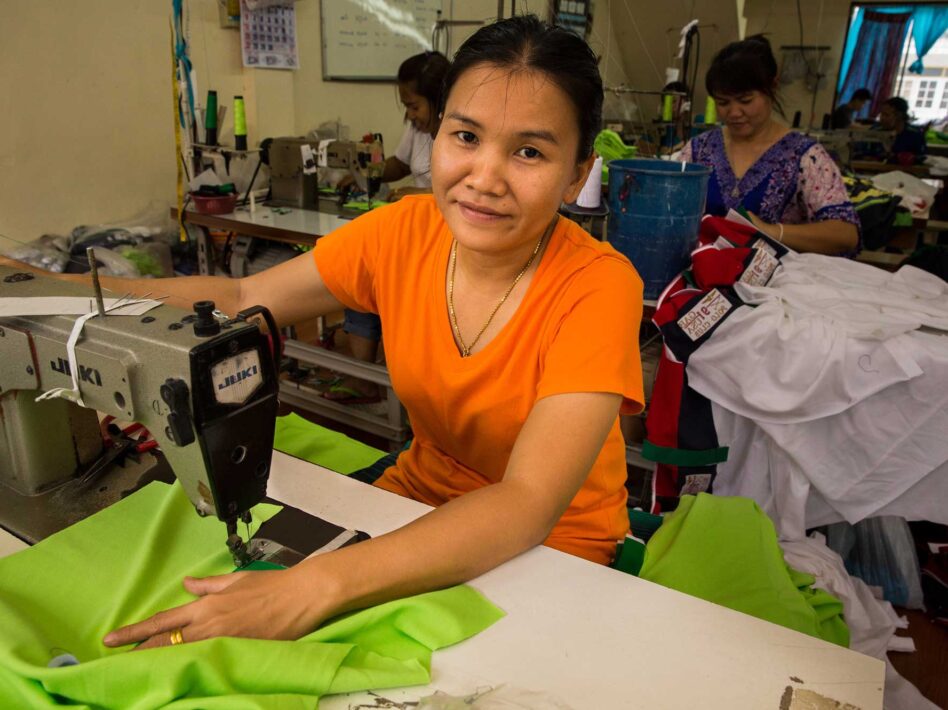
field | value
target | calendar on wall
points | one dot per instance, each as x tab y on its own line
268	37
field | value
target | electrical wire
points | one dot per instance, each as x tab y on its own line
767	18
648	54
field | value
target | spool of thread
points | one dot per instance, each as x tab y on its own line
591	195
797	117
240	123
210	119
668	107
710	111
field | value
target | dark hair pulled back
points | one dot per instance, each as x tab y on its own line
525	43
425	72
741	67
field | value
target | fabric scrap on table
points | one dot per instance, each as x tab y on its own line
321	446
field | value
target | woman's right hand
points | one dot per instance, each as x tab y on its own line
346	183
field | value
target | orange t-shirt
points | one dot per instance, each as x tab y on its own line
576	330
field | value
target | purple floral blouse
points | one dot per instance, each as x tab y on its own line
794	181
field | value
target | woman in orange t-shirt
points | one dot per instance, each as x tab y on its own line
511	338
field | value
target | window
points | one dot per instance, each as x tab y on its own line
878	52
905	91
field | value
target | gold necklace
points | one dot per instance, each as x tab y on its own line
466	349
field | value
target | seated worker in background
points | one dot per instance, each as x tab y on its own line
785	180
909	145
844	113
486	297
420	79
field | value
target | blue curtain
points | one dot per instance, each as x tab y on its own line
930	24
874	61
853	38
854	27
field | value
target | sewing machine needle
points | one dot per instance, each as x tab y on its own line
100	304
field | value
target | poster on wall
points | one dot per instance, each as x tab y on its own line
268	37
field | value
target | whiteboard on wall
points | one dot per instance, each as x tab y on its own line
366	40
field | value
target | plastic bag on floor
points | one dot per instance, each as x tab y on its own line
881	552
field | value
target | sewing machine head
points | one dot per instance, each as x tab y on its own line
294	163
204	386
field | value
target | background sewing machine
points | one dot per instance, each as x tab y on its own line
295	162
204	385
848	144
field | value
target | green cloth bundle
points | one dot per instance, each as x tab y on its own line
127	562
609	146
724	550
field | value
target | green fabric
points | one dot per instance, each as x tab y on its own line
363	205
643	525
609	146
683	457
630	554
725	550
126	562
304	440
903	218
933	137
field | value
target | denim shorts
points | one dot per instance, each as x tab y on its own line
365	325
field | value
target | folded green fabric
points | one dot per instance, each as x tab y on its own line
126	562
337	452
725	550
363	205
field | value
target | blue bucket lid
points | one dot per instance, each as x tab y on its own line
665	168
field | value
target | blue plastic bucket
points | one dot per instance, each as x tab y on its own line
655	209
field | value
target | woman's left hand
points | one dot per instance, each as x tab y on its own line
264	605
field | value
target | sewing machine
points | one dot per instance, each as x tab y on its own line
841	143
204	386
294	164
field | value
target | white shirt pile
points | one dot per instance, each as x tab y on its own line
832	394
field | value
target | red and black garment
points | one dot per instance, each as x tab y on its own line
735	234
681	437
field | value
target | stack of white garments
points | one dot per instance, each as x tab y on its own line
832	394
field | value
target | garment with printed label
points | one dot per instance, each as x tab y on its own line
681	438
680	428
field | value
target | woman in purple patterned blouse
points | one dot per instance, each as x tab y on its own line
785	180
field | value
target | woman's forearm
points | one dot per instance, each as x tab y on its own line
394	169
293	291
832	237
481	529
452	544
181	292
